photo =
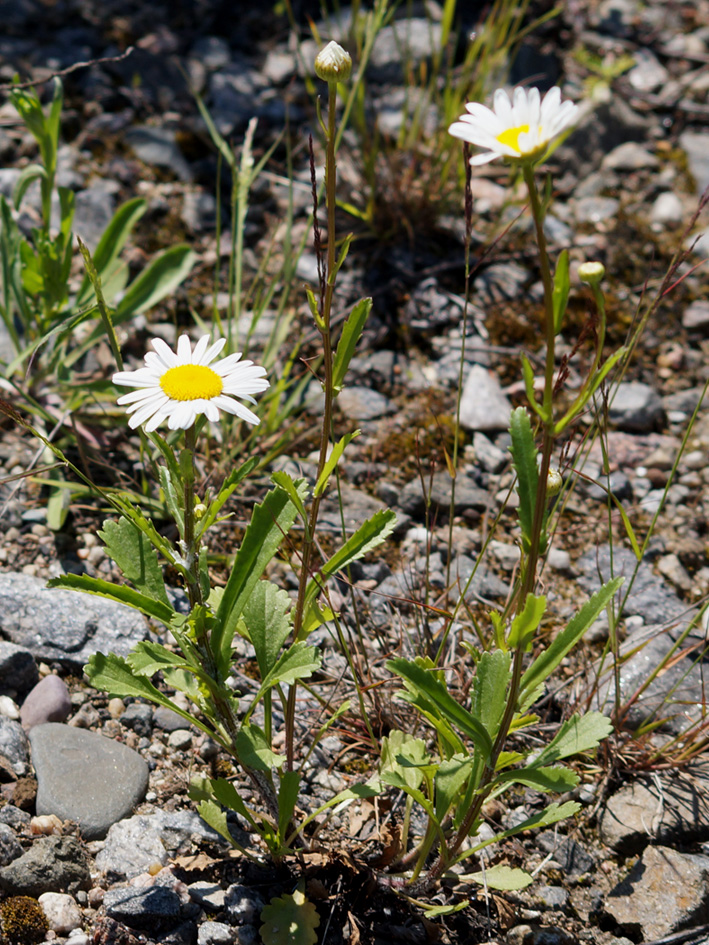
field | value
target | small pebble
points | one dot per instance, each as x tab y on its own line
62	912
180	739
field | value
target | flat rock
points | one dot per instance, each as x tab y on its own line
362	403
696	316
665	892
153	908
85	777
484	406
51	864
64	625
672	809
636	408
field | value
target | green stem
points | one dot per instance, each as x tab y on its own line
324	326
529	573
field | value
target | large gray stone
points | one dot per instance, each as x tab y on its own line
483	405
672	808
636	407
84	777
665	892
64	625
152	907
52	864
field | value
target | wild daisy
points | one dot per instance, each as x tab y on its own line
519	129
178	387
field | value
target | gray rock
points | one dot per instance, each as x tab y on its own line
467	495
152	907
683	401
696	317
61	911
362	403
167	720
158	147
696	147
649	598
214	933
648	73
94	211
243	905
500	282
18	669
671	809
51	864
139	718
630	157
488	455
430	308
14	746
84	777
484	584
596	209
409	41
10	848
574	860
617	483
667	210
13	816
63	625
212	51
49	701
636	408
134	845
665	892
554	897
234	95
483	405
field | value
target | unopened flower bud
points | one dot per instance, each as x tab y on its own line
591	272
554	482
333	63
200	510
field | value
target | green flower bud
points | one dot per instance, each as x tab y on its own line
333	64
200	510
591	272
554	482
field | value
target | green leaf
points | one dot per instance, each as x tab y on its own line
287	799
136	558
524	626
356	792
118	592
528	375
578	734
418	679
399	746
147	658
254	749
228	487
450	778
351	333
267	618
501	877
332	461
112	241
541	779
58	504
549	659
114	674
295	492
290	920
215	817
524	455
298	662
550	815
27	177
270	522
368	536
161	276
489	690
560	294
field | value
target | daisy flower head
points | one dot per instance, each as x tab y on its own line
179	386
519	129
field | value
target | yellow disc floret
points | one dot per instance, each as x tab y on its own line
191	382
510	136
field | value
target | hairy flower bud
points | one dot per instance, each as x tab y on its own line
591	272
333	63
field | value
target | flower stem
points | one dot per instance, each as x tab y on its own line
328	388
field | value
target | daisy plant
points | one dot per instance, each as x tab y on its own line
472	761
174	396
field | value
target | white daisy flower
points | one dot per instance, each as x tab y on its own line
519	129
179	387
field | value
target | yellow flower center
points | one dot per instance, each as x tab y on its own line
191	382
510	136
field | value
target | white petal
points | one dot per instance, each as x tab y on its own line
184	350
199	349
211	354
143	377
143	394
234	407
164	352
